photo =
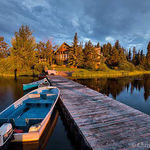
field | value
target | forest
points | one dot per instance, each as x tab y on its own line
26	55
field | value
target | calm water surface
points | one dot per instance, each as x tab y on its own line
56	136
133	91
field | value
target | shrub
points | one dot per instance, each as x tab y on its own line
39	67
103	67
6	65
127	66
140	68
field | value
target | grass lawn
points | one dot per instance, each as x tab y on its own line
84	73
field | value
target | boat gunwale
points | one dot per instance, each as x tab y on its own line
43	123
35	82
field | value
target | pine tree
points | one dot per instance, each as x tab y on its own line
75	54
122	56
91	56
23	46
113	59
106	49
41	50
134	56
98	45
121	51
148	55
138	58
80	56
45	51
3	48
142	59
117	45
129	55
73	51
50	52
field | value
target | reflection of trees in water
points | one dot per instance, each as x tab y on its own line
115	86
146	87
142	82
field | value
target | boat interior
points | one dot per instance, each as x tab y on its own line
32	110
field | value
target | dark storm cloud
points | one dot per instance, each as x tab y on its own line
97	20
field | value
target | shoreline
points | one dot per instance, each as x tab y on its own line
111	75
89	74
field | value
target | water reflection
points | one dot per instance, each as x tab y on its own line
10	91
133	91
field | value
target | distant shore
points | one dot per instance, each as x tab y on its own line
110	75
82	73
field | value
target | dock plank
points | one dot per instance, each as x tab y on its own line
105	123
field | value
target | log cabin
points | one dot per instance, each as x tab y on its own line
62	54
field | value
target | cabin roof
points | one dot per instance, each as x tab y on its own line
59	48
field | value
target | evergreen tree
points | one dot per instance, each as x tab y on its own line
122	56
148	55
113	59
121	51
3	48
23	46
91	56
75	54
50	52
106	49
134	56
45	51
80	56
117	45
41	50
129	55
98	45
138	58
142	59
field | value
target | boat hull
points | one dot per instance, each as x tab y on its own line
29	86
35	135
33	85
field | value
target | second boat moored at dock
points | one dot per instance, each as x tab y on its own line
35	84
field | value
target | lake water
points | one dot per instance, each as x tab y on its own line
133	91
56	136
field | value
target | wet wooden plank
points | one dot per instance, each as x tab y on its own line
106	124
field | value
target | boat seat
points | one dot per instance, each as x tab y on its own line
34	95
40	95
32	121
39	102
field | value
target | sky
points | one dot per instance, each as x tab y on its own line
97	20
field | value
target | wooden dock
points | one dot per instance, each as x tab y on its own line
102	122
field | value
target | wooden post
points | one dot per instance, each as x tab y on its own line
15	73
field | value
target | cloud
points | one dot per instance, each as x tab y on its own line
110	39
98	20
75	22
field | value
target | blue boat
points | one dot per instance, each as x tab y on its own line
30	114
33	85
